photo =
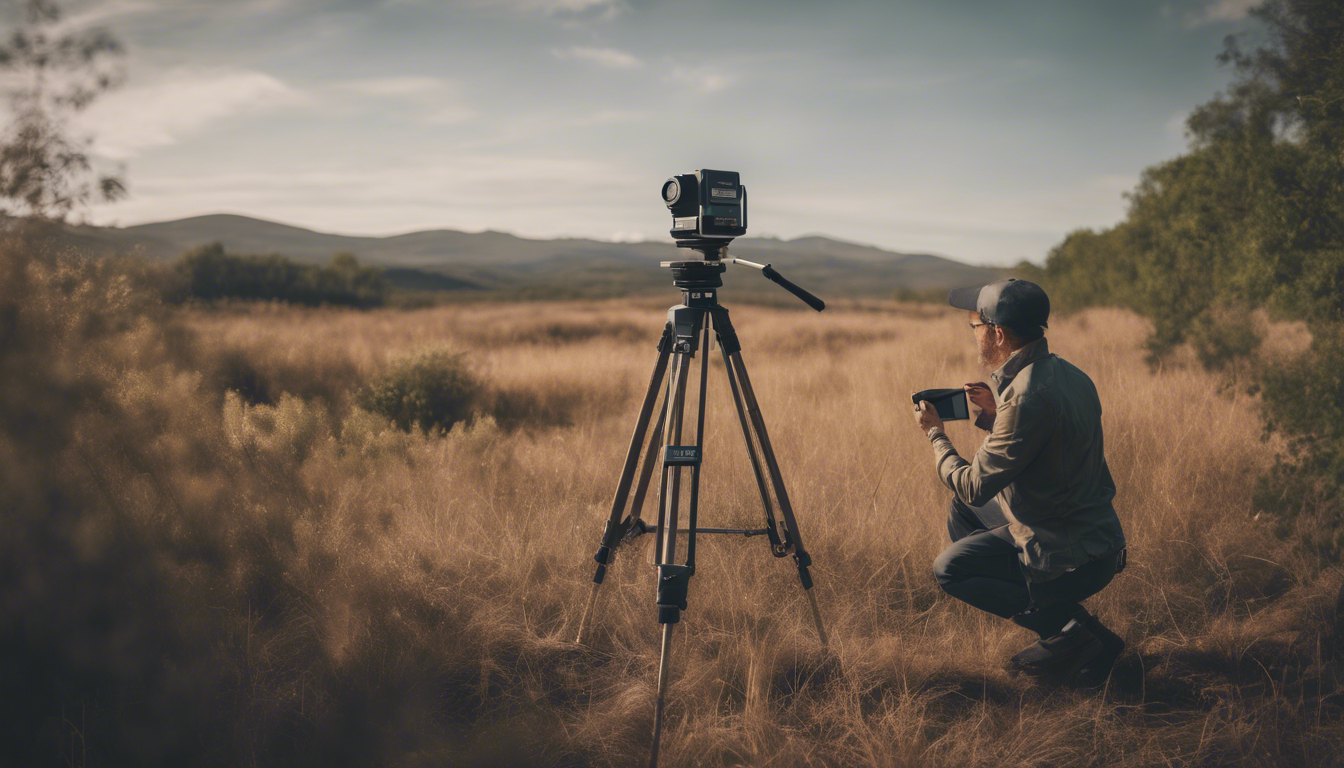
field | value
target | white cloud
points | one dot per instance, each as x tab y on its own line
451	114
610	58
703	79
967	207
440	97
177	104
1219	11
100	13
395	86
1175	125
596	10
605	117
482	191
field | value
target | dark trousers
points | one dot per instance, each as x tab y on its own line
981	568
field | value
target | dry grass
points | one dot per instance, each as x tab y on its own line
396	599
1210	603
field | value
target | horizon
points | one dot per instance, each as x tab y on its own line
983	133
667	241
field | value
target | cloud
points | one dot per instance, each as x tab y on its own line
100	13
610	58
395	86
1220	11
438	96
702	79
1175	125
177	104
451	114
564	10
482	191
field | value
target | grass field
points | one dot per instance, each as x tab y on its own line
279	577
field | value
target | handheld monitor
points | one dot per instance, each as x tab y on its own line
950	403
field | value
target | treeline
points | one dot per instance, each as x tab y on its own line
210	273
1250	219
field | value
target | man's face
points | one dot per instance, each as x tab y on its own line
991	344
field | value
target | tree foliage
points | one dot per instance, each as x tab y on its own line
1252	216
210	273
50	74
430	391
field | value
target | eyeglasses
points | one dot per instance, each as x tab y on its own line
977	325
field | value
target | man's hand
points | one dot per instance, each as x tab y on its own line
979	393
927	416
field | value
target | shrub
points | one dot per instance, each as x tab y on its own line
210	273
1304	401
431	391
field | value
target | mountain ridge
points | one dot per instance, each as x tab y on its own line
494	259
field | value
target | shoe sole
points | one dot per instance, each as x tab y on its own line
1059	675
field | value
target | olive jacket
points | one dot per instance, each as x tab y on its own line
1043	460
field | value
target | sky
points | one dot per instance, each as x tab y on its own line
982	131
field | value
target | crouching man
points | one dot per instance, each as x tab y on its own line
1032	526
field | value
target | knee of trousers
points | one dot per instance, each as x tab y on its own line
944	567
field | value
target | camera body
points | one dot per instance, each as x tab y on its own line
706	205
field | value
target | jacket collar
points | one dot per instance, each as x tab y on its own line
1033	351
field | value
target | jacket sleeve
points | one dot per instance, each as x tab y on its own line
1021	428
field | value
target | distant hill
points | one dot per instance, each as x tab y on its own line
496	261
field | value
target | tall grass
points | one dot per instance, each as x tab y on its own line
199	572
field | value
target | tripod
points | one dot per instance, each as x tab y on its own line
688	330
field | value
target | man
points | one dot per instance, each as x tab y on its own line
1032	526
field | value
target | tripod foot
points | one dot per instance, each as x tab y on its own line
664	664
816	617
588	614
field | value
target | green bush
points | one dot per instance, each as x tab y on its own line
211	273
1304	401
431	391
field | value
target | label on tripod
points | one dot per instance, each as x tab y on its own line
681	455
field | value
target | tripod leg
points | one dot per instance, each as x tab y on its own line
633	521
674	578
615	531
670	492
751	444
792	533
650	461
664	667
693	518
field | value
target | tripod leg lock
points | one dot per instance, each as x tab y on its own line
614	534
804	560
673	583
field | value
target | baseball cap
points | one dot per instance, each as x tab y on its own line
1016	304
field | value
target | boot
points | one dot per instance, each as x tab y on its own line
1060	656
1094	673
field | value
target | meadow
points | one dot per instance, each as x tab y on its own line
214	555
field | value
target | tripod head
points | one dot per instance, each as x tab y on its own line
708	272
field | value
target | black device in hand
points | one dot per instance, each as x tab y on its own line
950	403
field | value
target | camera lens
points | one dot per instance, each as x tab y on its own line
671	191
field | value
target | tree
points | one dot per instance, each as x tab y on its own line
1251	217
51	74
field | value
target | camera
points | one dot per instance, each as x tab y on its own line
706	205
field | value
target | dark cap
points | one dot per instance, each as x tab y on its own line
1016	304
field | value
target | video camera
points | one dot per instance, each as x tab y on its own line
706	205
